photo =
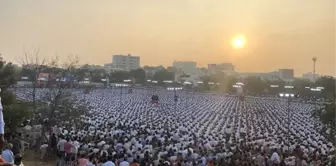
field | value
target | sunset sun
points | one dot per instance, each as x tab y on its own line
238	41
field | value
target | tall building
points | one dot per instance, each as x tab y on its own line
123	63
286	74
126	62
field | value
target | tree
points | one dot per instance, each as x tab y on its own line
231	81
57	104
279	86
119	76
163	75
32	66
328	83
63	107
300	86
205	86
14	112
254	85
7	74
139	75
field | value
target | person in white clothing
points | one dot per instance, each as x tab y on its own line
275	159
44	149
109	161
2	126
124	163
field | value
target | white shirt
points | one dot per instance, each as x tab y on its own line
109	163
60	144
124	163
275	158
228	130
2	122
44	146
75	147
90	164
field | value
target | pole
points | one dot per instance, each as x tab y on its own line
314	63
175	99
314	70
120	102
246	127
288	118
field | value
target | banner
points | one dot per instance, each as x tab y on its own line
43	77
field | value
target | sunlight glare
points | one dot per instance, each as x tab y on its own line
238	41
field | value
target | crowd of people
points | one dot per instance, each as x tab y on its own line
198	129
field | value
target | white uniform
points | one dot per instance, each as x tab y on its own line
2	122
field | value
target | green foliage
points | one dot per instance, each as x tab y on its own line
119	76
254	85
15	114
231	81
8	98
62	107
328	83
163	75
7	74
139	75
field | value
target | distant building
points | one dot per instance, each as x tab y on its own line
310	76
228	68
123	63
286	74
126	62
263	76
187	71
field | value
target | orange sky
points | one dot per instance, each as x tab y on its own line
279	33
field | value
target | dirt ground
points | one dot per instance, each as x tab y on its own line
31	158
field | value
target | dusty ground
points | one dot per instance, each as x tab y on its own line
30	158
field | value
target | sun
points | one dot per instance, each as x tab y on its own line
239	41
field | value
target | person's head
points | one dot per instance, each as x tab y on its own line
8	145
17	159
135	161
91	158
110	158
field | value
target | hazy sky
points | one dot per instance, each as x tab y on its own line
280	33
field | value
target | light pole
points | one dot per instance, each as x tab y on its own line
186	85
174	89
314	63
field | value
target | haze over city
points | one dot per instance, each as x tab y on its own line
278	33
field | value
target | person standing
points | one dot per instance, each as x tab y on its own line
2	132
7	154
2	126
16	145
